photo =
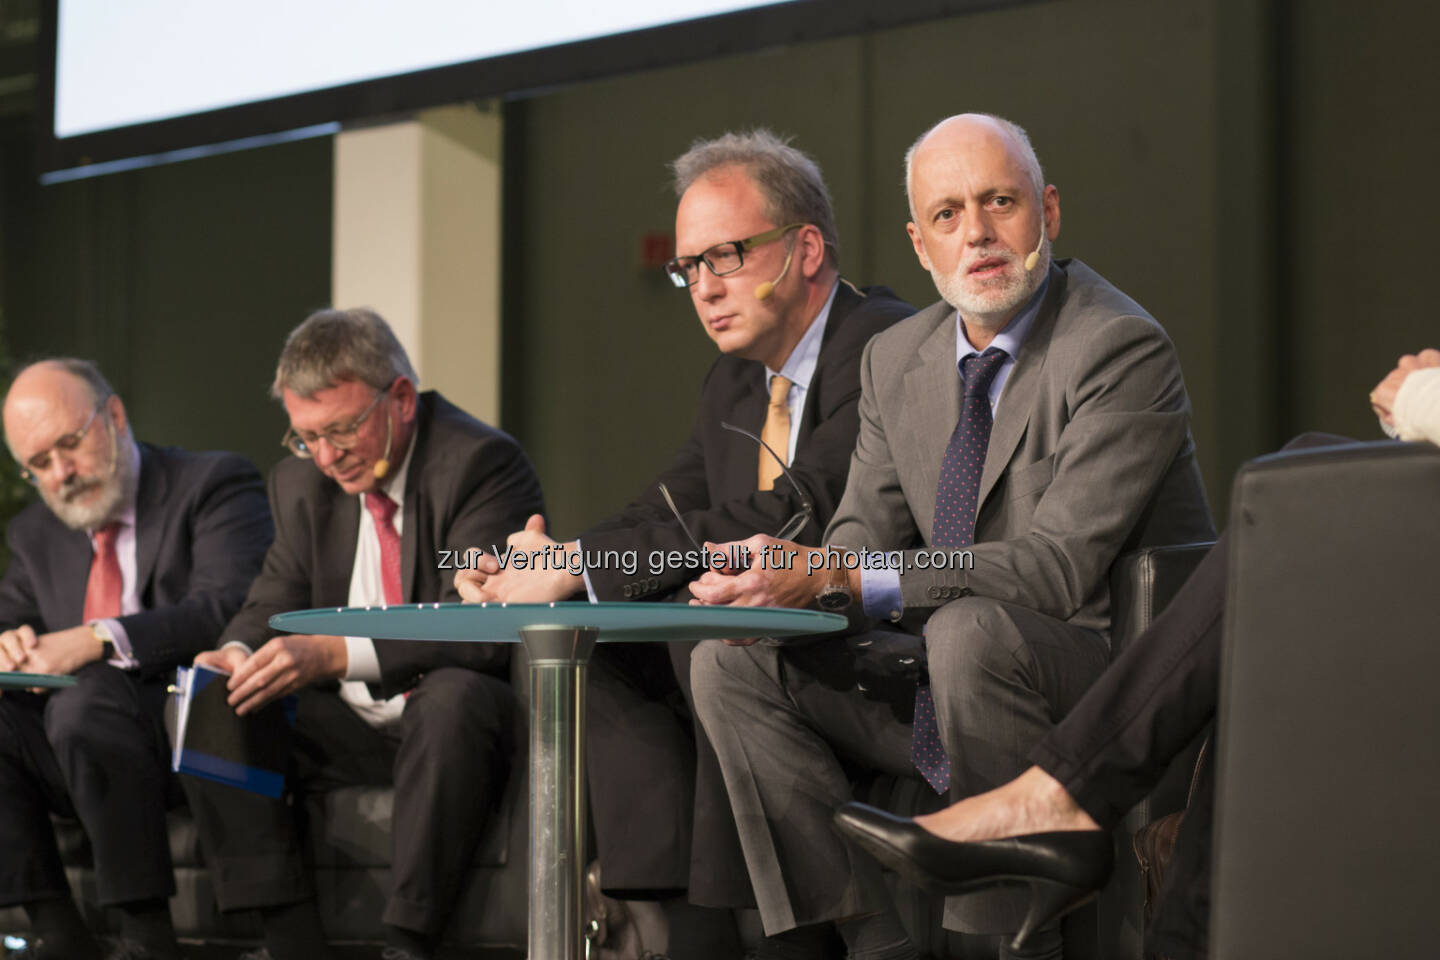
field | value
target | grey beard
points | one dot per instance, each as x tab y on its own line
116	489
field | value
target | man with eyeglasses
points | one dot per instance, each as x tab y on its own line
132	562
758	252
1016	437
383	479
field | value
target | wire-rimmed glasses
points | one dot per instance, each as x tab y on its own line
302	443
67	444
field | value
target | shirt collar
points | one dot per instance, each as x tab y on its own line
1013	336
800	365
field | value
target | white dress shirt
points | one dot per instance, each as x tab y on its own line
367	589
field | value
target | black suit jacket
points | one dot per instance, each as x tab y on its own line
468	484
713	477
201	526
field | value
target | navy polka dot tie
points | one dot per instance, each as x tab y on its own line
956	500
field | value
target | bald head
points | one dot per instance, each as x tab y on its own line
60	390
67	429
972	133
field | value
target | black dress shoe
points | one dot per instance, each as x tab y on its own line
1063	869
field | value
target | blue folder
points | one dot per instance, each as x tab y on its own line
211	741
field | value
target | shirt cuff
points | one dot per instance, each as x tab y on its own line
880	592
585	575
114	631
242	646
364	665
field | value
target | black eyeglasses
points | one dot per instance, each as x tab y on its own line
792	527
67	444
723	258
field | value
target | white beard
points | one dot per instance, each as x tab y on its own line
989	303
116	484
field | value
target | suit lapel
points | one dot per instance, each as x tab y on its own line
71	573
410	509
741	470
337	529
932	399
847	298
149	503
1017	400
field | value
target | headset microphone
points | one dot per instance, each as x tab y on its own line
763	291
1034	256
382	466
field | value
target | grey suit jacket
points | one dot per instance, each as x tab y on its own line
1090	454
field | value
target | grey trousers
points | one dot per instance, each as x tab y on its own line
789	720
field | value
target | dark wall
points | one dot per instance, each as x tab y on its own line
1364	142
181	281
1120	99
1253	171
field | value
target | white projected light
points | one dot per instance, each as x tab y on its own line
119	64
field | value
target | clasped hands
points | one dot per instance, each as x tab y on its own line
61	652
488	581
791	579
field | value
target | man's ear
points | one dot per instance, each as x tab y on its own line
811	252
115	409
1051	200
408	398
918	242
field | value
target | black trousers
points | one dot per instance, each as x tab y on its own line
96	752
447	760
1118	741
662	818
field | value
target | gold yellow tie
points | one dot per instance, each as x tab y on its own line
776	432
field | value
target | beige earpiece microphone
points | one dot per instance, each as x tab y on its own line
1034	256
763	291
382	466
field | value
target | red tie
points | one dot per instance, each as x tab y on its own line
103	590
382	509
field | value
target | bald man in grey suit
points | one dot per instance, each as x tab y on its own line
1089	455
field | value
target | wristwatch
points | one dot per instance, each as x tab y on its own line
835	595
107	641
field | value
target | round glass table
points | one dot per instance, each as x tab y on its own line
35	681
559	638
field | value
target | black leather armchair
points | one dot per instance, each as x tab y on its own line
1328	760
349	836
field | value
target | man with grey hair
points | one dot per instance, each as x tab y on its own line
759	255
1015	438
382	479
130	564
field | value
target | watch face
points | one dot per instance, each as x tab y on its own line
833	598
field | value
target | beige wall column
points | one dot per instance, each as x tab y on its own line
417	237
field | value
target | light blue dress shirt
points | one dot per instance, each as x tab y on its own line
799	369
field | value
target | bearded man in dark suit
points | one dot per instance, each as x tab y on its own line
132	562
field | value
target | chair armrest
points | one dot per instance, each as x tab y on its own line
1142	583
